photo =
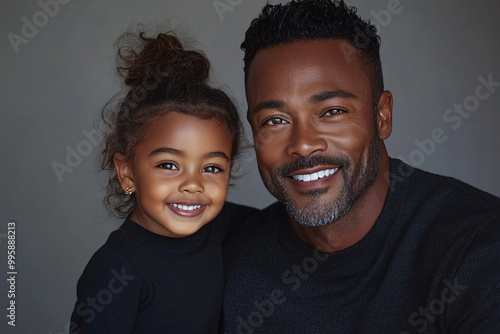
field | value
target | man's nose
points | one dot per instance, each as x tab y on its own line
305	139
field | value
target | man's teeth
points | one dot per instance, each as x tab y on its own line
314	176
185	207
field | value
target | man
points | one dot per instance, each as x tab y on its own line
359	242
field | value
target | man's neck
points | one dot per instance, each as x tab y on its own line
355	224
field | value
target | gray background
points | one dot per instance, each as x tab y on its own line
53	88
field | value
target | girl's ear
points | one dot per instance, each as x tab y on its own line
124	172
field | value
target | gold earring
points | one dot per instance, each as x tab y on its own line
128	191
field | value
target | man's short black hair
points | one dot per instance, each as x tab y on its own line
301	20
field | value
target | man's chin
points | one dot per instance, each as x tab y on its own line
317	213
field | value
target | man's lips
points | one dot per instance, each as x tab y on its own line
313	174
187	209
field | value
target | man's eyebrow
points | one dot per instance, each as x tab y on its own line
268	105
216	155
323	96
167	150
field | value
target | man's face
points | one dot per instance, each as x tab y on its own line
312	115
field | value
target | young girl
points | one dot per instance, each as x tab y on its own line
170	149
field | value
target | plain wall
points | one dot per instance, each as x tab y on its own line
435	53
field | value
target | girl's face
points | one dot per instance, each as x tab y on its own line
179	173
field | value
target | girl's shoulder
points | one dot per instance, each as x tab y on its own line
233	216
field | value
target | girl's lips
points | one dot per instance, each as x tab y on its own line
187	209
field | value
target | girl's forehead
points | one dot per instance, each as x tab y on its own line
186	133
175	123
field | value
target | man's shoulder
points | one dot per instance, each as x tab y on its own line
442	193
445	210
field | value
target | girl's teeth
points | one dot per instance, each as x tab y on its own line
314	176
185	207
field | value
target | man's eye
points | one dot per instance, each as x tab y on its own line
212	169
274	121
333	112
168	165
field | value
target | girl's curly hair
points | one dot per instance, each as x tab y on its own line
161	76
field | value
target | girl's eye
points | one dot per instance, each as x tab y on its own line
212	169
333	112
274	121
168	165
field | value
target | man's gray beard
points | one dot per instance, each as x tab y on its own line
319	212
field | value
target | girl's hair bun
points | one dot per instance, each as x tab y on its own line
162	56
162	76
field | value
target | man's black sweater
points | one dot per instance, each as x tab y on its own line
430	264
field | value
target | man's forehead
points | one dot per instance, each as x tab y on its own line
305	67
303	51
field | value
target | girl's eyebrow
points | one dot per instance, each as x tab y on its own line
167	150
216	154
180	153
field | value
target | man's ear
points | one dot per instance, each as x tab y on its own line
124	172
384	115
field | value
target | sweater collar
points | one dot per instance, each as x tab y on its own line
163	242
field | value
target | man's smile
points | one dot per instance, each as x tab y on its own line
308	177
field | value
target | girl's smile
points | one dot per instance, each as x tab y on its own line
187	209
